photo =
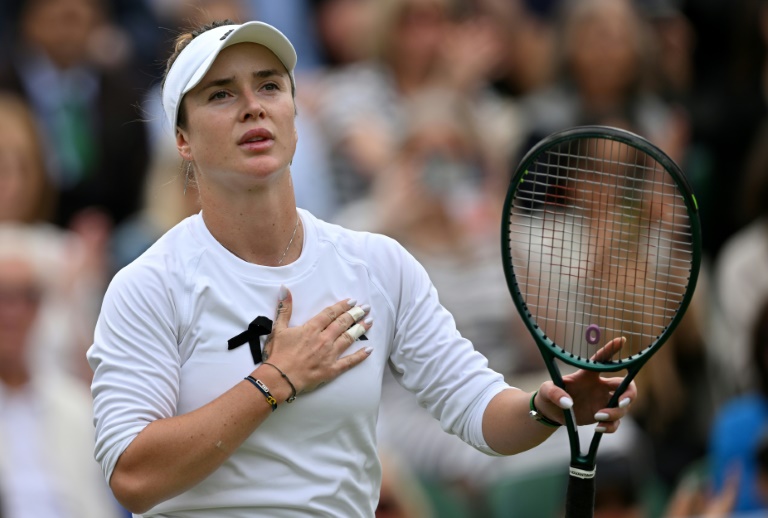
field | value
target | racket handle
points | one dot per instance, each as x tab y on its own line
580	498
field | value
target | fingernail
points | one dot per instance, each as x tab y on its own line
366	307
624	403
356	313
601	416
566	402
352	302
368	321
283	292
368	350
600	429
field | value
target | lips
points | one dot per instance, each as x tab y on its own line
258	136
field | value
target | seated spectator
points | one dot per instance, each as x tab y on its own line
46	455
741	424
94	145
68	315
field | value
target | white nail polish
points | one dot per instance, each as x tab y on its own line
368	350
368	321
283	294
600	429
566	402
366	307
352	302
601	416
624	403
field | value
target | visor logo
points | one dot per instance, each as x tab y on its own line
226	34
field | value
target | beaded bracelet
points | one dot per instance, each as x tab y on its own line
264	390
285	377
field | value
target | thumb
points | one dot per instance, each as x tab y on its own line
284	309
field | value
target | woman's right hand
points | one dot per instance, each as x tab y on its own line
311	354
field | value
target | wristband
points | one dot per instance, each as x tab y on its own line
285	377
538	416
264	390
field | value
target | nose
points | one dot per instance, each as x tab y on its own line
252	107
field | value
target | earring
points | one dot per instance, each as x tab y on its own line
187	174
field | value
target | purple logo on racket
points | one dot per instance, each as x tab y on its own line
592	334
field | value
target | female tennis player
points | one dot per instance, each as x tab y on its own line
200	410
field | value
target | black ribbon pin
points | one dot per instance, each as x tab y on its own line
260	326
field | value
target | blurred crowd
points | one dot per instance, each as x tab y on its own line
412	115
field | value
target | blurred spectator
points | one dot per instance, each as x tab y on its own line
401	494
606	61
679	399
96	149
620	483
742	423
342	28
526	34
25	191
728	104
416	45
69	314
46	455
169	197
741	273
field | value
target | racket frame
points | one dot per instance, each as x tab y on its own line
582	464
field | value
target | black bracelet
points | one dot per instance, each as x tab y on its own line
264	390
538	416
285	377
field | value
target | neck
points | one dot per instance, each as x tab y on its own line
256	226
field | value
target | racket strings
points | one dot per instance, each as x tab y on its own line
600	239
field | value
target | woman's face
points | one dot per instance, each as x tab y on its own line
240	130
19	179
19	300
603	51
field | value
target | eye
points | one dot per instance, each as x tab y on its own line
220	94
271	87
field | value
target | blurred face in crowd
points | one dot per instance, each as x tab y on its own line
21	174
602	48
343	27
61	28
420	29
240	126
19	300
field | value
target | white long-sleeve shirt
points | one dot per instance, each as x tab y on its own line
160	350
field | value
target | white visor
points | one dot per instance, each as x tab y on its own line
197	57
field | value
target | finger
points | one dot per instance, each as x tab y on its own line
607	426
556	395
609	349
349	336
559	397
356	358
347	319
626	397
328	315
284	309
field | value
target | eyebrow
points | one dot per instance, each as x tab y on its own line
225	81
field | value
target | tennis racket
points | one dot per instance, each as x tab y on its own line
600	239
